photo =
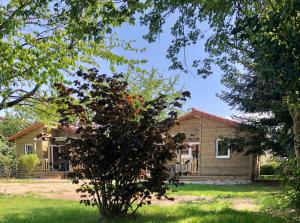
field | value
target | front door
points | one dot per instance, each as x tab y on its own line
58	160
55	158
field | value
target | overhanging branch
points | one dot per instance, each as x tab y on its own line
25	96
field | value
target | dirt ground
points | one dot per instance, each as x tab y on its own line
66	190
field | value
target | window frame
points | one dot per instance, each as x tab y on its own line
26	145
217	150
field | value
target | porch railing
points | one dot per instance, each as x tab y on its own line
45	165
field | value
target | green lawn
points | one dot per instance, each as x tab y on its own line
30	209
226	191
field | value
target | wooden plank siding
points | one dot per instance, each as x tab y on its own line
39	146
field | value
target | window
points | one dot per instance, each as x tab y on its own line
222	149
28	148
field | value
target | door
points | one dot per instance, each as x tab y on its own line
55	157
58	159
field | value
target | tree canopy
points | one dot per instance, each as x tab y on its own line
41	41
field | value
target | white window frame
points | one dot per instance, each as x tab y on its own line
217	150
26	149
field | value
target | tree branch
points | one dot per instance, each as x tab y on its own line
20	99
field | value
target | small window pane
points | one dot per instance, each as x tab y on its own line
222	149
28	149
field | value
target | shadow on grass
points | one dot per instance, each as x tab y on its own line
192	213
176	213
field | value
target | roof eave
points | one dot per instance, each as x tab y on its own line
196	113
25	131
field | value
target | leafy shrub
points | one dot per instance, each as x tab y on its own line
7	157
120	136
29	163
7	163
272	167
267	170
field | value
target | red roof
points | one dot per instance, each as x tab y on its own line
196	113
71	130
25	131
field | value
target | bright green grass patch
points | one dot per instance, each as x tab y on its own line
225	191
28	209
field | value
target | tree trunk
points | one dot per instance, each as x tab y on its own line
295	113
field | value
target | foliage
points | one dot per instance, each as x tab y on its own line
41	41
270	165
292	178
7	151
7	158
270	62
6	148
120	135
13	123
151	84
7	163
267	170
29	162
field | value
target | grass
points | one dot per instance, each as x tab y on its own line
32	209
225	191
29	209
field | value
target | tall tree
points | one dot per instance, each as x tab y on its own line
42	40
271	62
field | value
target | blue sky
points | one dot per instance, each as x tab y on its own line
203	91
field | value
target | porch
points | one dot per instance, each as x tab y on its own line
192	164
187	160
54	161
